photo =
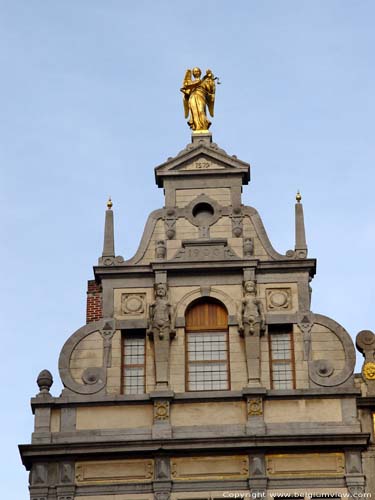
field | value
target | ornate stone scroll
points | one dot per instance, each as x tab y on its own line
94	378
321	371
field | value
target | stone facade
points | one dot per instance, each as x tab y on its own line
202	372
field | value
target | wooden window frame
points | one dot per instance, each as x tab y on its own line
132	334
282	329
208	331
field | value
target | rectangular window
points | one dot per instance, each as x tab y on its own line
133	363
281	356
207	356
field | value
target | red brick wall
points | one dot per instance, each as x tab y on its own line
94	301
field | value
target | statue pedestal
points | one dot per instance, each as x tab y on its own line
201	136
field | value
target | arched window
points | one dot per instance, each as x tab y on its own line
207	346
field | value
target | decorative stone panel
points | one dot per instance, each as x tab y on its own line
306	465
133	304
209	468
254	407
279	299
115	471
161	411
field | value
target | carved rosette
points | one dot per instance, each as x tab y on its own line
369	371
254	407
161	411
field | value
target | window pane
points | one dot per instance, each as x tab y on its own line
207	361
133	364
281	360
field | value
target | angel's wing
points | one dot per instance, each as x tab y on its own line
211	91
211	102
187	78
186	81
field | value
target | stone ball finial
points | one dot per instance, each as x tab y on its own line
365	341
44	381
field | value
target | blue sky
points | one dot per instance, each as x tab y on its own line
91	104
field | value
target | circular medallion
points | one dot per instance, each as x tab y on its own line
279	299
365	337
133	304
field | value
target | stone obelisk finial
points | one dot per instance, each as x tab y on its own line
300	245
109	239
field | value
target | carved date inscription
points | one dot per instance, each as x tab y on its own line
205	253
201	252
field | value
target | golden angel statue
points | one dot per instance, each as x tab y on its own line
199	93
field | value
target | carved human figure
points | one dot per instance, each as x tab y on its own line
252	326
161	329
248	247
252	319
161	314
160	249
198	95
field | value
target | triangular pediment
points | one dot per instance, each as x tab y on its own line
202	157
